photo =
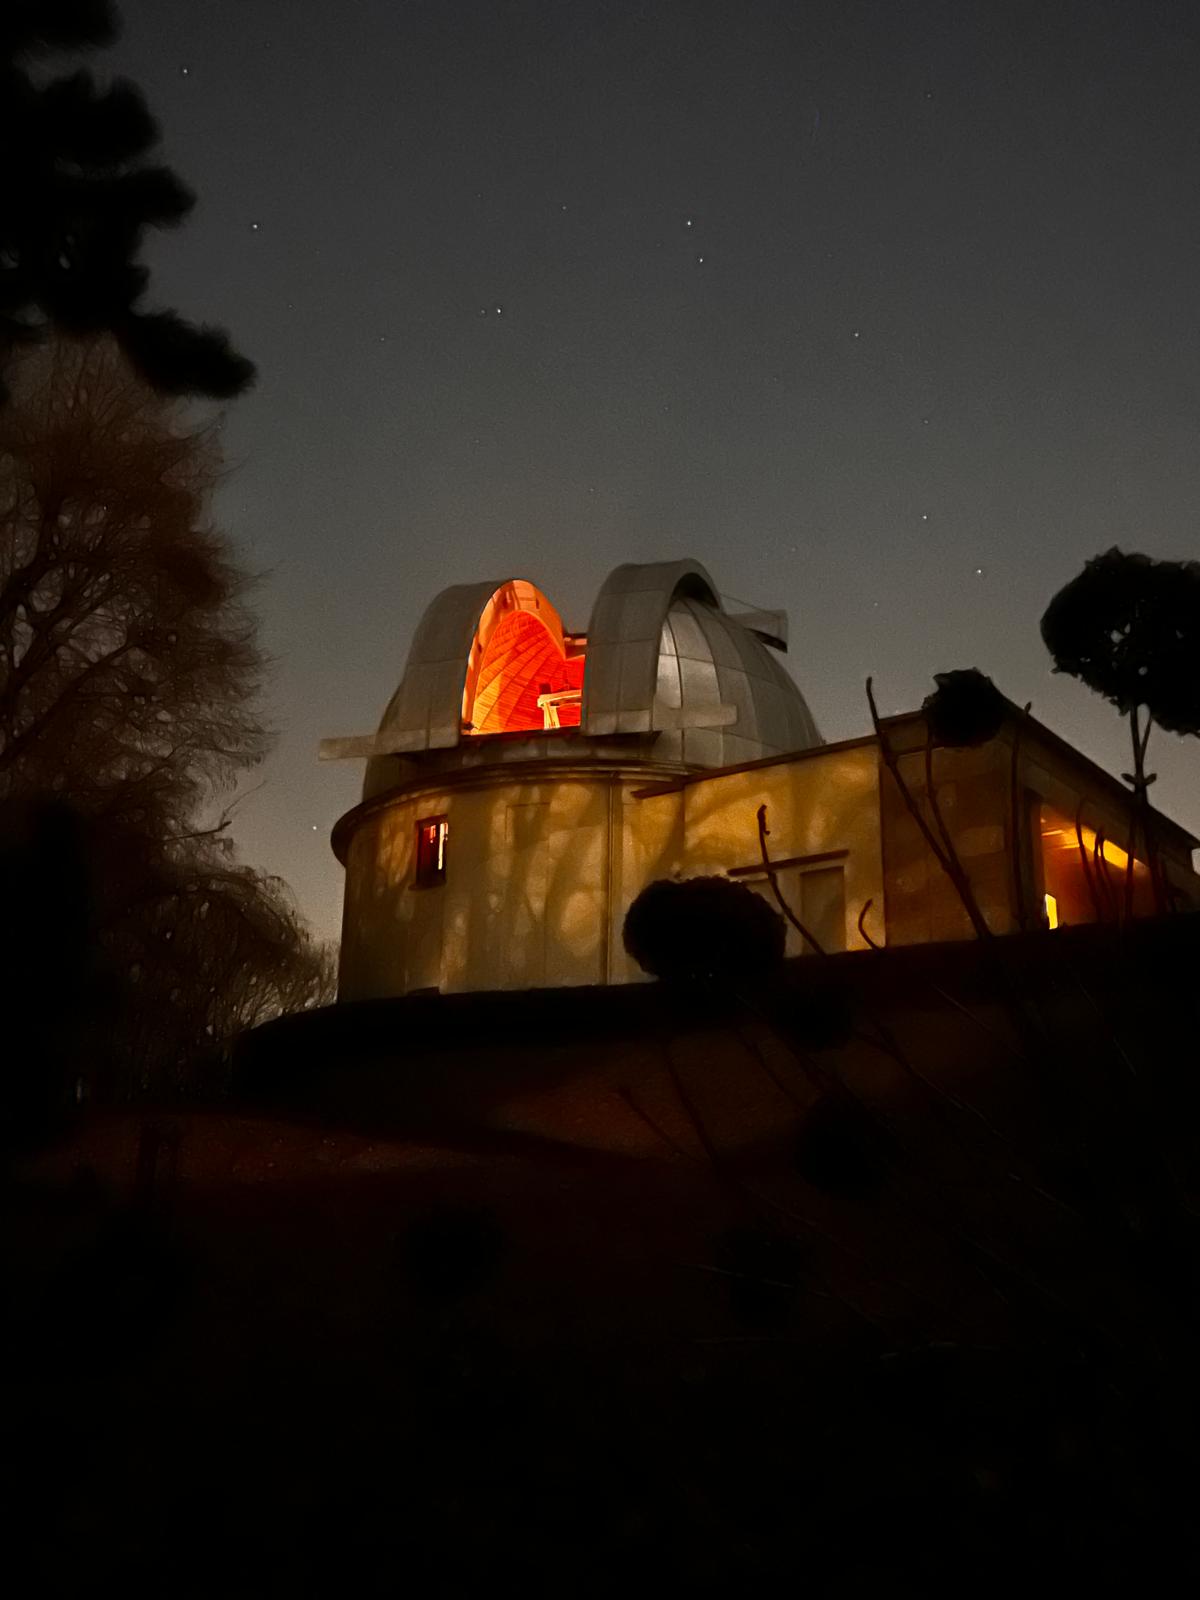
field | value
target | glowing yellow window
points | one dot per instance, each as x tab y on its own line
1051	911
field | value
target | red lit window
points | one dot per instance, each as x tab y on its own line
432	833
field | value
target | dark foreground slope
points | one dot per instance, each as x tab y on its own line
881	1278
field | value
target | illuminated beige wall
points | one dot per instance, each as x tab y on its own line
541	868
543	863
537	878
973	792
818	805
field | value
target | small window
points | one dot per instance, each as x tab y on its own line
432	833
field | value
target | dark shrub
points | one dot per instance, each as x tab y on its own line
704	929
965	709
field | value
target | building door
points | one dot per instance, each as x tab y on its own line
823	906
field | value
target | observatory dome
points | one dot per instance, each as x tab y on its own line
664	674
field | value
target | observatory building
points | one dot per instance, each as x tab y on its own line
527	782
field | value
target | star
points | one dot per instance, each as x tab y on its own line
687	222
856	334
924	516
699	261
184	71
254	227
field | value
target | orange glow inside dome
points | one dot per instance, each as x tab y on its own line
524	674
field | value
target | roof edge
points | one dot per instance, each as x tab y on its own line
1014	716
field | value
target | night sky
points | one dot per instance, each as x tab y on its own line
887	313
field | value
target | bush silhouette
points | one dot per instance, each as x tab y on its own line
703	929
965	709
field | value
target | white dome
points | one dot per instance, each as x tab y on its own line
669	677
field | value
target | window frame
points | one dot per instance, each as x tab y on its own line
429	859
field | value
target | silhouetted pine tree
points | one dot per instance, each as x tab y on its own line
77	195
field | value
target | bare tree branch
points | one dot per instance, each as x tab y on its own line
129	683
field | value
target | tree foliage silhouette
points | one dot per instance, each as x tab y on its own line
1129	627
129	675
77	195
